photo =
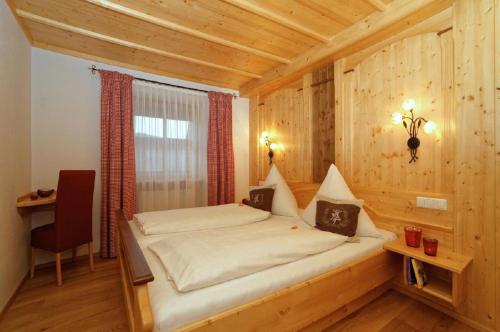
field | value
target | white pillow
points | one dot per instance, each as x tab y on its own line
358	202
284	202
334	187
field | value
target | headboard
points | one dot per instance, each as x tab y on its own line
303	192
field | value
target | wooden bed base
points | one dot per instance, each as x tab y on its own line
135	275
308	305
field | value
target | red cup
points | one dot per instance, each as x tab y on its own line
430	246
412	236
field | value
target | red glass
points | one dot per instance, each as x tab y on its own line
430	246
413	236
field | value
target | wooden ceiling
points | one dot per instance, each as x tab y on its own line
240	44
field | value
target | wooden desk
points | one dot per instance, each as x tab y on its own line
26	203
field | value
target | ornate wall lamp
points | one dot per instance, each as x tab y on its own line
265	140
412	125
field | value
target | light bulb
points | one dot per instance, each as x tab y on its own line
397	118
273	146
262	140
264	134
429	127
408	104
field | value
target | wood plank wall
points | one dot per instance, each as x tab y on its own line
456	83
497	161
371	151
301	119
284	116
475	223
323	122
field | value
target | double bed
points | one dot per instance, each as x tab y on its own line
285	297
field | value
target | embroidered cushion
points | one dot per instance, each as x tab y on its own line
335	187
338	216
261	198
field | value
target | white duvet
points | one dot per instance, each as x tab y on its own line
192	219
195	260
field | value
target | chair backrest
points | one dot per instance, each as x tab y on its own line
73	213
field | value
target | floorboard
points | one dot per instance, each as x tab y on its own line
93	302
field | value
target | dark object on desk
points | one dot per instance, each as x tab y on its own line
73	219
44	192
33	196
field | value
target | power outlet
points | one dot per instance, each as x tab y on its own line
432	203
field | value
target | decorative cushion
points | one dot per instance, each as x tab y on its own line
261	198
339	218
335	187
284	202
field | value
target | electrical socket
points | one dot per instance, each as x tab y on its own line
432	203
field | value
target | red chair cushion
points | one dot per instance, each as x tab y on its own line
44	237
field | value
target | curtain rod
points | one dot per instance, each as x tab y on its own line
93	69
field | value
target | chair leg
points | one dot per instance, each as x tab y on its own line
91	256
73	255
32	267
58	269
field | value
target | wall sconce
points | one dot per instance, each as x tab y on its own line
265	140
413	127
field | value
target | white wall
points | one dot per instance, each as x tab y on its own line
15	151
65	117
241	146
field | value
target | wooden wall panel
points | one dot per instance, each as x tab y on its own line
283	114
323	122
473	33
371	152
497	161
378	158
300	118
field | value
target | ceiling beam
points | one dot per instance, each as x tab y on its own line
118	8
117	41
377	4
398	16
326	10
273	16
114	62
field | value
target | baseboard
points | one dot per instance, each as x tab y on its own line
451	313
13	296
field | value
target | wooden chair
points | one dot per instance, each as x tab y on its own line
73	220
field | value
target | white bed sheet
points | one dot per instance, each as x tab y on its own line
172	309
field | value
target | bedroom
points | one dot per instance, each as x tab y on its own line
182	117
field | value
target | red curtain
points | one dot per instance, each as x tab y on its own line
117	155
220	158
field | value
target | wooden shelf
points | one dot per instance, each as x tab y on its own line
26	202
448	291
440	289
445	259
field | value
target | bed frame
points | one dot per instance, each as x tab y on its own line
311	305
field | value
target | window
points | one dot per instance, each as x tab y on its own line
171	128
145	126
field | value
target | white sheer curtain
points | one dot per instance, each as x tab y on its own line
171	128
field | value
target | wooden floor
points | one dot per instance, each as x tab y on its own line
394	311
93	302
85	302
